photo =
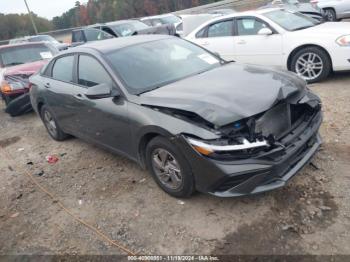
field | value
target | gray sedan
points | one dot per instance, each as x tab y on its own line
194	121
334	9
306	8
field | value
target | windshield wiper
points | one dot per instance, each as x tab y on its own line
303	27
14	63
148	90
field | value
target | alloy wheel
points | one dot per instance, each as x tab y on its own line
50	123
309	66
167	169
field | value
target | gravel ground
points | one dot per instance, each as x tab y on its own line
309	216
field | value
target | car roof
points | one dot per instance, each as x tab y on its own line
121	22
245	13
28	37
113	44
156	16
21	44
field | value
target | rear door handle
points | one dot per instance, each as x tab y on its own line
242	42
79	96
47	85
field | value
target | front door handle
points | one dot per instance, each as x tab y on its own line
205	43
242	42
47	85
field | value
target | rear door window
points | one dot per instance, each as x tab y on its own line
91	72
78	36
221	29
63	69
249	26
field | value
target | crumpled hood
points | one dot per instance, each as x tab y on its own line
18	76
25	69
228	93
300	7
304	8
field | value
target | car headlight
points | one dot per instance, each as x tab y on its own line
343	40
209	147
10	87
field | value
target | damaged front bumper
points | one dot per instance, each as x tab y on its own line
19	106
259	173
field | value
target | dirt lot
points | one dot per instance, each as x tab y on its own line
309	216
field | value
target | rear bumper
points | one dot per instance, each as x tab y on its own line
258	174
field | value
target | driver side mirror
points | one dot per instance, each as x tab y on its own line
101	91
265	31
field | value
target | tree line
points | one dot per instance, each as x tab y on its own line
91	12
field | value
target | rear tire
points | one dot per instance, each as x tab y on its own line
51	124
312	64
169	168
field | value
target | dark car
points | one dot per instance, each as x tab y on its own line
17	63
193	120
121	28
88	34
307	9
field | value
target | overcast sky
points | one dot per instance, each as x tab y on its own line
44	8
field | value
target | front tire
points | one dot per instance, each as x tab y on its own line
7	99
51	124
169	168
331	15
312	64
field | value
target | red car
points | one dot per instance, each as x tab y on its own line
17	63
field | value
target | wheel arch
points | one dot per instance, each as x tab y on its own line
145	136
40	104
297	49
331	8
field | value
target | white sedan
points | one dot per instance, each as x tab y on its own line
275	37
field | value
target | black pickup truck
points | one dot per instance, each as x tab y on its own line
117	29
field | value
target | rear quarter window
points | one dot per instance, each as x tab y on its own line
201	33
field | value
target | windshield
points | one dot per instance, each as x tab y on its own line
24	54
150	65
171	19
291	21
43	38
291	2
129	28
